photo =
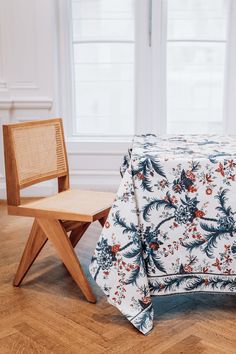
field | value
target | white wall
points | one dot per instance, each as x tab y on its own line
29	89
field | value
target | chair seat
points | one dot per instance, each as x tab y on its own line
76	205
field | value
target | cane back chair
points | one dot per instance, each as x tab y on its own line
34	152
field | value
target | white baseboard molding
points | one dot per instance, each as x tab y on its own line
29	102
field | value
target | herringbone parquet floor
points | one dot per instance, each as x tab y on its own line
48	313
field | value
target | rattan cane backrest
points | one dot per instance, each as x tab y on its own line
34	152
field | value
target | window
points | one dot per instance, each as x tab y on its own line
103	70
141	66
196	51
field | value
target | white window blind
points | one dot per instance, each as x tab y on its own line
196	51
103	65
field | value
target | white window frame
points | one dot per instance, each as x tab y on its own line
230	74
151	66
64	27
150	72
149	95
229	79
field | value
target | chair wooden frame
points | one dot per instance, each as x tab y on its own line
64	228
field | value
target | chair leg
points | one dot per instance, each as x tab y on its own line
35	243
57	235
77	233
103	220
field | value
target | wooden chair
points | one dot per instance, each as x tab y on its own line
34	152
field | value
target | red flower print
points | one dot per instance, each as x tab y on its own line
228	260
206	281
146	299
140	175
198	214
188	268
174	200
217	264
221	169
163	183
190	175
231	163
178	188
115	248
192	189
208	191
232	177
107	224
227	271
205	269
154	246
208	178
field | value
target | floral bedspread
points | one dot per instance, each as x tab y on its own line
172	226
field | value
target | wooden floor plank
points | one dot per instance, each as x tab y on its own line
190	344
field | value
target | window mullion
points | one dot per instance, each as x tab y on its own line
230	74
158	64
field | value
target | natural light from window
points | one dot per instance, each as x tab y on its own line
103	46
103	54
196	51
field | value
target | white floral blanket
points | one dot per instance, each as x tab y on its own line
172	227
